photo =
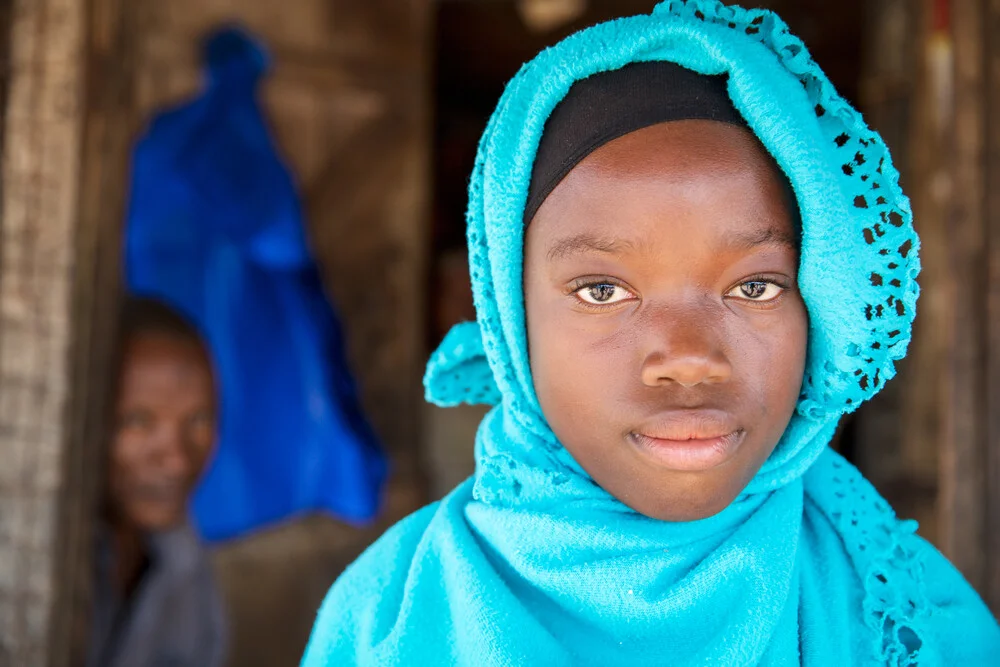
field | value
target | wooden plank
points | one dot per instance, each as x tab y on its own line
888	89
951	379
926	179
60	232
106	136
992	31
42	129
963	445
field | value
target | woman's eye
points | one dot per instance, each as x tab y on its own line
602	294
757	290
202	419
135	419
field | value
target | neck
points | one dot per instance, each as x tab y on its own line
129	557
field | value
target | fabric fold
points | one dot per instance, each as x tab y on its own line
458	372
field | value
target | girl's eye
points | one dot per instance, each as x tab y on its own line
757	290
603	294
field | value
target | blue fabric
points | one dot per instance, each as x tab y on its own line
215	228
531	563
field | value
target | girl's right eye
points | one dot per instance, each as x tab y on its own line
603	294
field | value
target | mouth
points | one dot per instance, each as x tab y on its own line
166	494
689	440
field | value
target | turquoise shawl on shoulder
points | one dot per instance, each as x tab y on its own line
531	563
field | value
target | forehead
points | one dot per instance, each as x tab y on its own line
704	177
161	362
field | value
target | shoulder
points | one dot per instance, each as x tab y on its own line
367	595
912	595
193	601
186	563
380	564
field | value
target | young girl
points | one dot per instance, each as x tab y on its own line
690	258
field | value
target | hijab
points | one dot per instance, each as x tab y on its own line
531	562
607	105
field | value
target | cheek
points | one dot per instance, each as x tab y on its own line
550	355
793	350
202	447
551	350
126	454
781	365
578	374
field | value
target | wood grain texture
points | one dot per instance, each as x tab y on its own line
963	442
108	127
945	467
901	461
992	47
40	171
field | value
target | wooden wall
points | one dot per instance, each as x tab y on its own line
64	107
40	181
932	442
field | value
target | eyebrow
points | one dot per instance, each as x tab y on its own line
767	236
587	243
582	243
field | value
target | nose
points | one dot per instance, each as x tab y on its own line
169	451
684	348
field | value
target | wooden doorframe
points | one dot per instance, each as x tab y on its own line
108	131
67	127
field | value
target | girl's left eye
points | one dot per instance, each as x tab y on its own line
603	294
757	290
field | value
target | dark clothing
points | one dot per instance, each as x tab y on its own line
174	617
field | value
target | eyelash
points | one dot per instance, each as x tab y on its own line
759	278
581	284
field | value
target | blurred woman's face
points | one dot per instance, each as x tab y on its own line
165	426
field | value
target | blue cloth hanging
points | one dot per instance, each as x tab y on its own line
215	229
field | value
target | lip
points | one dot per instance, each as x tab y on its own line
165	493
689	440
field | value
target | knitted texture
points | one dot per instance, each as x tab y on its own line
531	562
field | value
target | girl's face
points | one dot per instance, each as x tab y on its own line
666	333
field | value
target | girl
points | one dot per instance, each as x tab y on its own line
690	258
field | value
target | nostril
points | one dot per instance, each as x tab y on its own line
686	371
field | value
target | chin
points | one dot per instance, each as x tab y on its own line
675	515
677	510
157	521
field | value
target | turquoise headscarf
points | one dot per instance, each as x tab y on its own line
531	563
